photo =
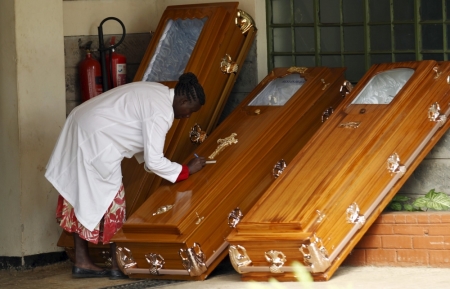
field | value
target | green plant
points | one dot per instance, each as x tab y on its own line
401	203
433	200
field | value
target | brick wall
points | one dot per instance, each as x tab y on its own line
405	239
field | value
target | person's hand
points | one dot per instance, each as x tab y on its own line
196	164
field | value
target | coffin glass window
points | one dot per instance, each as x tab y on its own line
174	49
383	87
278	91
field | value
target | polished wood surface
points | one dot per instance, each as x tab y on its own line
220	36
243	171
339	167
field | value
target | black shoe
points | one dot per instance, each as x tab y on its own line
117	274
87	273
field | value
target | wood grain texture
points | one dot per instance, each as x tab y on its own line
340	166
243	171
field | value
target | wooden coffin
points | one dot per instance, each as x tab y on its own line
217	39
179	231
342	179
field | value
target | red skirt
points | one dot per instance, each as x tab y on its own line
111	222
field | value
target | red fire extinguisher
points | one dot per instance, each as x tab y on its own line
117	64
90	75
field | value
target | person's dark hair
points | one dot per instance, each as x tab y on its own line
189	86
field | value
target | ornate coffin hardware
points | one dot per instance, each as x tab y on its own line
350	124
194	261
438	73
277	260
244	21
239	257
327	113
125	259
346	88
325	85
257	111
353	215
163	209
393	165
300	70
107	257
316	256
321	216
199	219
227	65
235	217
223	143
156	262
279	168
196	135
434	114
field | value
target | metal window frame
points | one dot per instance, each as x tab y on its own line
417	23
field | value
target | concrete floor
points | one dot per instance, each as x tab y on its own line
58	276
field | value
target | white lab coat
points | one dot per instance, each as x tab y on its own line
85	166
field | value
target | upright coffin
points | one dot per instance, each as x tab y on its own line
341	180
211	40
179	232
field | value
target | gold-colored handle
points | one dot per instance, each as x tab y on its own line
244	21
197	135
227	65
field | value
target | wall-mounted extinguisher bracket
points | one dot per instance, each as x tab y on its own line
103	49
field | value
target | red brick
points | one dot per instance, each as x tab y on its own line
400	218
439	258
428	242
407	229
397	242
445	217
387	218
411	218
369	241
380	229
412	257
422	218
446	242
439	230
356	258
376	257
434	218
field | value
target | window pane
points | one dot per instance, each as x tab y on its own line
303	11
307	60
447	5
282	40
331	60
403	10
400	57
278	91
379	11
355	67
404	36
282	61
431	10
384	86
433	56
354	38
304	39
330	40
281	10
432	36
380	37
330	11
380	58
353	11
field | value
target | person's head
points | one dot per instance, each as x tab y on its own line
189	96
